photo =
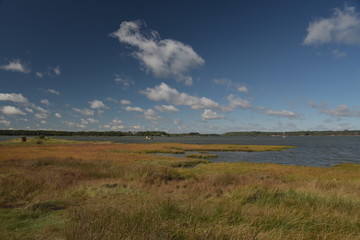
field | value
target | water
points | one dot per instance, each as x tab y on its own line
309	151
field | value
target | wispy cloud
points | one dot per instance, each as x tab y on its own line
283	113
164	58
163	92
16	66
85	111
338	53
54	91
125	102
342	27
134	109
45	102
341	110
5	122
125	81
230	84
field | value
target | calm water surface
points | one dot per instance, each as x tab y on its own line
309	151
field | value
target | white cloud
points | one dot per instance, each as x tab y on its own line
13	97
56	70
115	125
236	102
208	114
29	110
11	110
88	121
117	121
15	66
164	58
166	108
45	102
97	104
125	102
283	113
177	121
73	124
85	111
124	81
338	54
41	115
5	122
342	27
339	111
230	84
163	92
39	74
242	89
134	109
58	115
151	115
43	122
54	91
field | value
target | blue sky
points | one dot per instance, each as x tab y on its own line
180	66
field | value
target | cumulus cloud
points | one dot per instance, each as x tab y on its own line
164	58
97	104
208	114
16	66
85	111
124	81
166	108
282	113
54	91
342	27
163	92
13	97
58	115
177	121
125	102
134	109
11	110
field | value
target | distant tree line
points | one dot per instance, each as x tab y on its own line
165	134
297	133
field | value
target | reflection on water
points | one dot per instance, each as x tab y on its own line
309	151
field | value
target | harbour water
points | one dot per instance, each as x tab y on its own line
309	151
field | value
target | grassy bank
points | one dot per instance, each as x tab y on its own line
120	191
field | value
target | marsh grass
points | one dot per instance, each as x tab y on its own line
116	191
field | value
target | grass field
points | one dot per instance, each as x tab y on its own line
75	190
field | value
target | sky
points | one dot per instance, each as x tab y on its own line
180	66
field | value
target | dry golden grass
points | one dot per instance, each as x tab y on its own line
119	191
